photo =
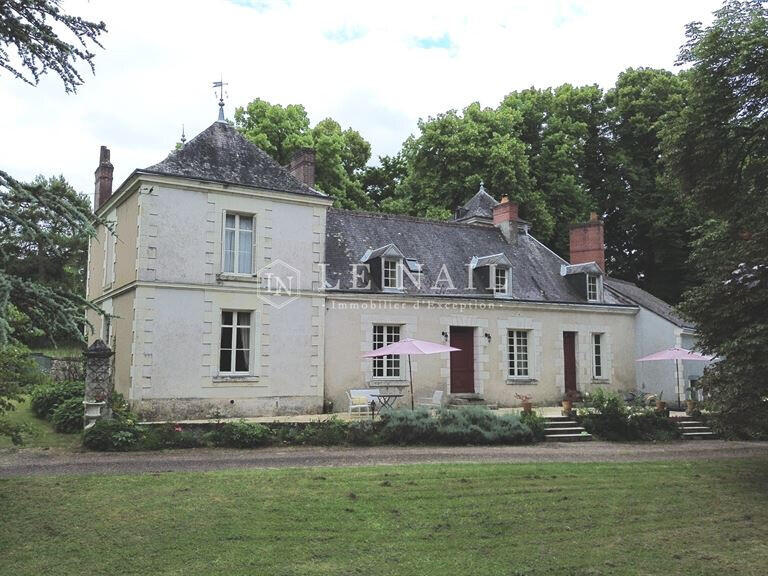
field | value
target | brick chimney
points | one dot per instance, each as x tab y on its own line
302	166
103	174
505	218
587	242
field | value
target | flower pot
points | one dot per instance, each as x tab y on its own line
661	406
690	406
567	407
527	407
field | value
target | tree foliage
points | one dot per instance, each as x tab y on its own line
44	230
718	148
647	221
32	28
341	155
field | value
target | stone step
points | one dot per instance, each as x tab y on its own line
558	419
560	423
564	430
698	435
695	429
568	437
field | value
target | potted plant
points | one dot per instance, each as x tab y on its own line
690	403
569	398
661	406
525	400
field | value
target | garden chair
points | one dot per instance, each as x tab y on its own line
360	400
433	403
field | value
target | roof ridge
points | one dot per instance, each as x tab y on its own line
407	218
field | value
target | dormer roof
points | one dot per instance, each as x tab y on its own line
388	251
500	260
221	154
479	207
585	268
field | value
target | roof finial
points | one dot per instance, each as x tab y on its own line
220	85
183	136
482	188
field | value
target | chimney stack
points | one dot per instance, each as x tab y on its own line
302	166
103	174
588	243
505	217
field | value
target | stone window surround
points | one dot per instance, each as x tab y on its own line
408	325
535	348
254	245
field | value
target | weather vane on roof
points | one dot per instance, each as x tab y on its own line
220	85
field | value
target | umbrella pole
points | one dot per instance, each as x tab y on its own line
410	374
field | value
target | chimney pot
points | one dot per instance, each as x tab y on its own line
588	242
103	179
302	166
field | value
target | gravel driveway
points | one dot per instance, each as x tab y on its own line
49	463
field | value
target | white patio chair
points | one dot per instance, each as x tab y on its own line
435	402
360	400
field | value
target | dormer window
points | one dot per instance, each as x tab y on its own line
500	281
491	273
593	287
391	274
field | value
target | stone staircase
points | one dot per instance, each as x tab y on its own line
564	429
693	429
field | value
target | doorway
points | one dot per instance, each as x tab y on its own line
569	361
463	361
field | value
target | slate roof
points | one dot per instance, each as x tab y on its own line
636	295
534	275
221	154
479	206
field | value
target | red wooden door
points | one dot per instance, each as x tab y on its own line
569	360
463	361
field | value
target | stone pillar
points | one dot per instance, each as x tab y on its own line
98	383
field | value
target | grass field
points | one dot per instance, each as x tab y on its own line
564	519
40	433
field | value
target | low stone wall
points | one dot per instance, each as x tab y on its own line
176	409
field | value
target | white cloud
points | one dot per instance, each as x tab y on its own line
360	62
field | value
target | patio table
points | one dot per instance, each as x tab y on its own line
387	399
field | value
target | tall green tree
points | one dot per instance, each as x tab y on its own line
41	214
341	155
718	148
561	132
454	152
647	221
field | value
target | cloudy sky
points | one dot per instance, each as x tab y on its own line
375	66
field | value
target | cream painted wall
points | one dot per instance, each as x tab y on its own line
654	333
127	220
349	332
182	292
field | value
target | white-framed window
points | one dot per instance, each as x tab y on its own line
238	244
500	278
597	355
391	274
235	344
517	353
593	287
386	366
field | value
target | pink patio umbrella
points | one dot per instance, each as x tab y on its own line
676	353
410	347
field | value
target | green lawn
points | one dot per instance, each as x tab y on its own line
563	519
40	432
